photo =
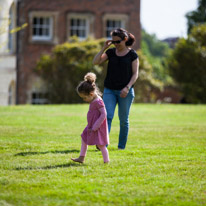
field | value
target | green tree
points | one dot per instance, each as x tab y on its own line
65	68
187	65
69	62
196	17
146	83
153	46
156	52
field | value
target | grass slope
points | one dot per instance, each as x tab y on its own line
164	162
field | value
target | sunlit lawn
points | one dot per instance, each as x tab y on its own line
164	162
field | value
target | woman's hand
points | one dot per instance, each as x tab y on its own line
107	44
124	92
101	56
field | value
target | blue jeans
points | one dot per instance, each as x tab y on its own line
111	98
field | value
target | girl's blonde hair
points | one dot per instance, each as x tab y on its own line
88	85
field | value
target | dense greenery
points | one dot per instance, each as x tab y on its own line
187	65
164	162
66	67
69	62
146	83
153	46
156	52
198	16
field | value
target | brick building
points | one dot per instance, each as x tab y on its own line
52	22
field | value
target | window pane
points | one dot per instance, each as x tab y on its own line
83	22
34	31
47	21
118	24
78	22
78	27
34	21
43	32
77	32
111	25
47	32
40	21
83	33
40	31
41	27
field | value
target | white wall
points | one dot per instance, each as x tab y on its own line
7	58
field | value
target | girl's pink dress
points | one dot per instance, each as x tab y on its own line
97	124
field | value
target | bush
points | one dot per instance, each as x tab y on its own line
69	62
187	65
66	67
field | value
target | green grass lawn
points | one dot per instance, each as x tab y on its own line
164	162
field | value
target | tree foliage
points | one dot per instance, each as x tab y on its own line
187	65
65	68
146	83
198	16
156	52
69	62
154	46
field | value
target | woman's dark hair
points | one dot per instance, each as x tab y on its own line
88	85
122	33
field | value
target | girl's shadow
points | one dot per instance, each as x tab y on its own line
67	165
54	152
50	166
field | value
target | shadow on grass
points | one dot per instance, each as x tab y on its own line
71	164
54	152
40	153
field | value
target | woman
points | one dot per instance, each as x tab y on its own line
122	72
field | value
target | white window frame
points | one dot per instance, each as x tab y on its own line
111	27
43	27
89	19
39	99
79	28
53	18
123	18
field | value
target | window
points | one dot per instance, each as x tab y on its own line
42	28
39	98
113	21
111	25
80	25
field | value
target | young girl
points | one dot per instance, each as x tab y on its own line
96	131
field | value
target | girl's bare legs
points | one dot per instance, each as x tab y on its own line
105	153
83	152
